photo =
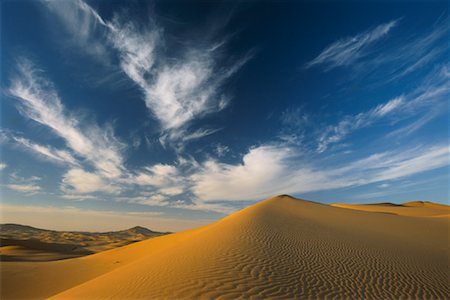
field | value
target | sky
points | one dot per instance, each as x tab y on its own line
173	114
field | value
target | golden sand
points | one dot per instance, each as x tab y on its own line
279	248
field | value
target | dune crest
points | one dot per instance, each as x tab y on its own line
279	248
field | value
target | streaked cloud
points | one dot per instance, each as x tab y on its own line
348	50
348	124
48	152
38	100
177	90
425	99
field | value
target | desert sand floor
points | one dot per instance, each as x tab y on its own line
279	248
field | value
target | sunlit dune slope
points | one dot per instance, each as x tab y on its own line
416	208
284	248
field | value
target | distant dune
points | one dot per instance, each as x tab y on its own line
26	243
279	248
413	209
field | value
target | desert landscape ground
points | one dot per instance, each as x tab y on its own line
26	243
279	248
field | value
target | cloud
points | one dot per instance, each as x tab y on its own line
159	175
59	156
346	51
348	124
417	52
38	100
176	89
284	172
155	200
250	179
83	23
3	166
80	181
221	150
24	185
172	191
78	197
423	160
427	98
24	188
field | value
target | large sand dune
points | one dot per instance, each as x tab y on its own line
280	248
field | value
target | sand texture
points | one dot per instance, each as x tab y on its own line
279	248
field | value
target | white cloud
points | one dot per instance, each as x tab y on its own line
416	52
251	179
24	185
158	175
177	90
348	124
3	166
426	98
24	188
77	197
60	156
346	51
39	101
423	160
82	22
222	150
155	200
283	172
80	181
172	191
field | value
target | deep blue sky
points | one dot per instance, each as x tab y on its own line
173	113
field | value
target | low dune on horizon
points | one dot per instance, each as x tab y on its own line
279	248
27	243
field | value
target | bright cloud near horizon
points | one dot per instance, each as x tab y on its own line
157	111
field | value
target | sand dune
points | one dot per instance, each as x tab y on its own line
279	248
26	243
415	209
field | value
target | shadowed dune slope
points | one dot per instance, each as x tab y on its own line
285	248
279	248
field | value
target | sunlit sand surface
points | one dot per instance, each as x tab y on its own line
279	248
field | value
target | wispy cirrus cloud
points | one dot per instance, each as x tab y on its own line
348	50
47	152
39	101
418	51
426	99
348	124
176	89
